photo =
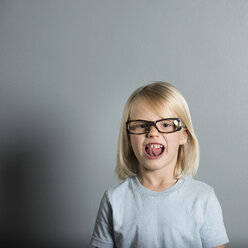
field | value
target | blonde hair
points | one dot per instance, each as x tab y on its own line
156	95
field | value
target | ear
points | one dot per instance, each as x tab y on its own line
183	137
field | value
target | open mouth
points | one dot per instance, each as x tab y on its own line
154	150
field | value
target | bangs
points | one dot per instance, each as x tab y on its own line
156	103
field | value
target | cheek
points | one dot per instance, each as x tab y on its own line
173	141
135	143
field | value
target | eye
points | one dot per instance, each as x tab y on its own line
135	126
142	125
166	125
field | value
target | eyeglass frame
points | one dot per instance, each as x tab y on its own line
153	123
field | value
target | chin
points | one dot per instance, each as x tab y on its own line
153	167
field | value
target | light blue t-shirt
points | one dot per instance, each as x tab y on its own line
186	215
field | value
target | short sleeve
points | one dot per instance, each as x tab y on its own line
213	232
103	231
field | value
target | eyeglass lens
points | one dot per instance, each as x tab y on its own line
162	126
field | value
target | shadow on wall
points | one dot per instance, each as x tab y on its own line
31	151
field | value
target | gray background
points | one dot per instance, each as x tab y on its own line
66	71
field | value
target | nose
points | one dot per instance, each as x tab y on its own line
153	132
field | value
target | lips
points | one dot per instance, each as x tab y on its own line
154	150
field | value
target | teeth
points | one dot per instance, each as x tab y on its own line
156	146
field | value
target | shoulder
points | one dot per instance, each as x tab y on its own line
119	191
111	193
198	185
198	189
119	187
202	198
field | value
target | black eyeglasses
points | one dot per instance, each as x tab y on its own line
168	125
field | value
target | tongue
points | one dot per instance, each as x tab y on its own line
154	151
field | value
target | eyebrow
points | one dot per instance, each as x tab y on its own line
160	117
140	119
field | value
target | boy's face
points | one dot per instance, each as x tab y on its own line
155	150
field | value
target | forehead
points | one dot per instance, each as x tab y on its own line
147	110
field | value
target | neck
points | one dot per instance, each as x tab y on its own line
157	181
